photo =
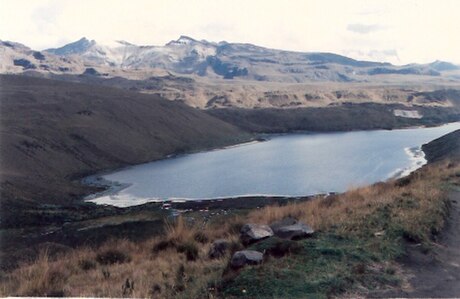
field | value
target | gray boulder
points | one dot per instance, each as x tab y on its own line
251	233
290	228
246	257
283	222
218	249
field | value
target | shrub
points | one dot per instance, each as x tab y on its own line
201	237
163	245
112	256
235	227
190	250
179	285
156	289
87	264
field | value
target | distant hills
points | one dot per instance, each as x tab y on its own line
188	56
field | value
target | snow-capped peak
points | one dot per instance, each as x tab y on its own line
182	40
80	46
125	43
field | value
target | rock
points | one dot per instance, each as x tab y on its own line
246	257
290	228
283	222
380	233
251	233
218	249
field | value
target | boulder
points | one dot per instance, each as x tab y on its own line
283	222
246	257
251	233
290	228
218	249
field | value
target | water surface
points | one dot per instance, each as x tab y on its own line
287	165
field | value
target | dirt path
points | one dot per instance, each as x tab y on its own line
437	274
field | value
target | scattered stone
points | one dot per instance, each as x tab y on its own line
290	228
251	233
246	257
218	249
380	233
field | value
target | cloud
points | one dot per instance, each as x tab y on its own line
390	55
363	28
421	31
386	55
48	13
371	12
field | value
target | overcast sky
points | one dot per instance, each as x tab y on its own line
400	32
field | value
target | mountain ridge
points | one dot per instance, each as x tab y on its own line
210	75
213	60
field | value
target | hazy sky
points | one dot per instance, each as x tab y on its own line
400	31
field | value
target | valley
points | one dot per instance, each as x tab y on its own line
87	108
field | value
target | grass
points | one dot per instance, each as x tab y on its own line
359	236
319	267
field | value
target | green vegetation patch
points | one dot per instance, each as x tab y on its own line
317	268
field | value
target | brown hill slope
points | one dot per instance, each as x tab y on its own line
345	117
447	146
52	132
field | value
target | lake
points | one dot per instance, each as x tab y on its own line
284	165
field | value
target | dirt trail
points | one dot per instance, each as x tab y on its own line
437	274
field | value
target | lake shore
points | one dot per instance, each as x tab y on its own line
117	194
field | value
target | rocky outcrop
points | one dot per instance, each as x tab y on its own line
251	233
291	228
288	229
246	257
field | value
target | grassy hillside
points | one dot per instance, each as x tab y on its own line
445	146
359	237
53	132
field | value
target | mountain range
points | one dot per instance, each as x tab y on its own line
206	59
207	74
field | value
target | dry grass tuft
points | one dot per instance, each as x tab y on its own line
419	206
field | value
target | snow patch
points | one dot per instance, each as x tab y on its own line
407	113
